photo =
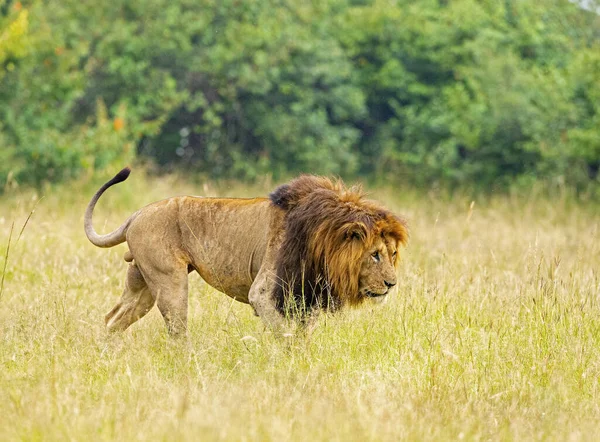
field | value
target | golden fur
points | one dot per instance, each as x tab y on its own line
312	245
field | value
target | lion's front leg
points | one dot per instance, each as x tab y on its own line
261	298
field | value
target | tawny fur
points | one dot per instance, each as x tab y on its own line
313	245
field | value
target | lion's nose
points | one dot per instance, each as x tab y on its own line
389	285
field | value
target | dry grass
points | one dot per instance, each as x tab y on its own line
494	334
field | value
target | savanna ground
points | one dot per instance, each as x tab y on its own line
493	333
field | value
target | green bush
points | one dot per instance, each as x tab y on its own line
474	92
463	92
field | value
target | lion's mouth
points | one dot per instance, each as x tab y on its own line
375	295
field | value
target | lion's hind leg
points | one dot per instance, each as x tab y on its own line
135	302
171	292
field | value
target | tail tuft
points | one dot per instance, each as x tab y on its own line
121	176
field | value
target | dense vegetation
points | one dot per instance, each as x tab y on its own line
465	91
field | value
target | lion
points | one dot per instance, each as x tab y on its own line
313	245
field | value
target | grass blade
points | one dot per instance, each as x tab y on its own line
12	226
28	217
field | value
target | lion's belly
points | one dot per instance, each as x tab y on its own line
226	240
227	281
227	270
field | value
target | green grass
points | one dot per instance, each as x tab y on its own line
494	333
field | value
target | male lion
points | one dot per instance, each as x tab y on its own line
313	245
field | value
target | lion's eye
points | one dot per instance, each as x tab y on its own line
394	254
376	256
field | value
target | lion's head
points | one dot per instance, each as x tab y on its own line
338	248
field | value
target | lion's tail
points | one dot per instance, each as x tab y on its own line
113	238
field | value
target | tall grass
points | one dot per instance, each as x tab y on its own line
494	333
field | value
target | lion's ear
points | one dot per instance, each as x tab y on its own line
354	231
282	196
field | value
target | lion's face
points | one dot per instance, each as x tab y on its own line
378	269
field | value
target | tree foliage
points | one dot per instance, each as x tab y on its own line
460	91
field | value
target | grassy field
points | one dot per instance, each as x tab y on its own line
493	333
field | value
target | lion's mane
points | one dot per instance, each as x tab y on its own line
328	229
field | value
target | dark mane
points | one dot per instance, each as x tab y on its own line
327	230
